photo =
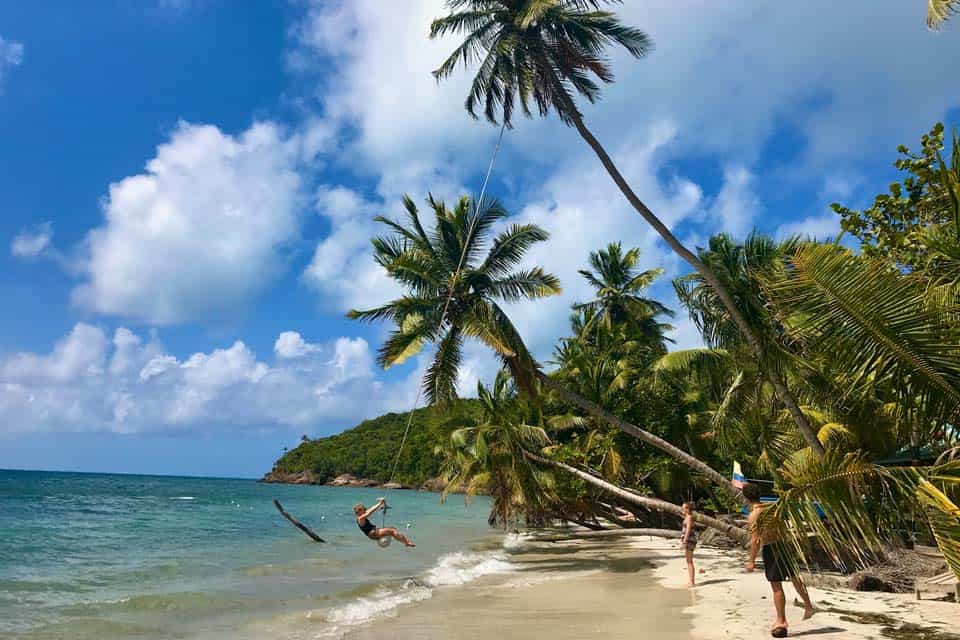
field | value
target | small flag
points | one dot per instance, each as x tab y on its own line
738	479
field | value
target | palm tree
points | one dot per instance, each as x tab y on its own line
619	287
489	457
452	294
426	264
939	11
545	52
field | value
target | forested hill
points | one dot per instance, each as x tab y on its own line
368	449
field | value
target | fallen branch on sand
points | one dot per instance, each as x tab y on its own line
297	523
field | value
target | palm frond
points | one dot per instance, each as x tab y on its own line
939	11
525	285
509	247
873	323
440	381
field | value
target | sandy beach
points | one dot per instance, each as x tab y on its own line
561	591
634	588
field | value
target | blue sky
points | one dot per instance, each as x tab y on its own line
187	188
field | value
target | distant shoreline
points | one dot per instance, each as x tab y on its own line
432	485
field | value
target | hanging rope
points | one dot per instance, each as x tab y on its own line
446	305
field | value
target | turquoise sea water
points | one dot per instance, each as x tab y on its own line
118	556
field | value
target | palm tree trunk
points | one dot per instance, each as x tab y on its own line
782	392
731	531
677	453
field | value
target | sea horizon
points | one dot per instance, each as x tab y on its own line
128	473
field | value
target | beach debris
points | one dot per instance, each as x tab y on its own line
297	523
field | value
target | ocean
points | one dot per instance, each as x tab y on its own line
86	556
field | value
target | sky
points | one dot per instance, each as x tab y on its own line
187	190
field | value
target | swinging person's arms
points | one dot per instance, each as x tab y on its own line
372	510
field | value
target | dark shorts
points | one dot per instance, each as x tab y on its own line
773	568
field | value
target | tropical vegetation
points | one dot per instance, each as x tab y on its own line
829	370
867	341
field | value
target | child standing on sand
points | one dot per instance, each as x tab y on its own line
688	541
774	567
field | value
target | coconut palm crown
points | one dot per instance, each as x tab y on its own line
535	52
455	282
619	286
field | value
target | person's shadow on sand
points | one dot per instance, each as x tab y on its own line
817	632
714	581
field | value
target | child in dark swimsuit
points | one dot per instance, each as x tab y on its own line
688	541
370	530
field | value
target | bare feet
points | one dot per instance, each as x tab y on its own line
779	631
691	585
409	544
808	612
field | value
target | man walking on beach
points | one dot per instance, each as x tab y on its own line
775	569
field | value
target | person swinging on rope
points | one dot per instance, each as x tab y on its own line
370	530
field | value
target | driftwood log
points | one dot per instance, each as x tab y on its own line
297	523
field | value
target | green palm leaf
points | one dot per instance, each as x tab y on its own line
873	323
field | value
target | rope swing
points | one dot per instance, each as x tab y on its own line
384	541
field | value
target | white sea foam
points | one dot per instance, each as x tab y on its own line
514	541
463	566
183	498
452	569
382	602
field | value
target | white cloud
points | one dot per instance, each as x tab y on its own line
823	226
736	206
79	354
201	231
11	55
30	243
291	344
342	267
129	384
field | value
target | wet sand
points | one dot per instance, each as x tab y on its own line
562	591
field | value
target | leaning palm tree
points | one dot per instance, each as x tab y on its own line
453	292
939	11
540	53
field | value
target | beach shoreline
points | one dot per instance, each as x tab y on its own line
613	588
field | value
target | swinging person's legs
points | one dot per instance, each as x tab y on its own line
393	533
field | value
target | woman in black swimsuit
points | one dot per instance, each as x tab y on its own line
370	530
